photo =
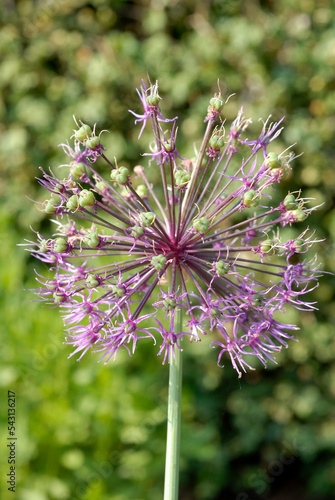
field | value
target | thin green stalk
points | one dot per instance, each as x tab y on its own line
174	419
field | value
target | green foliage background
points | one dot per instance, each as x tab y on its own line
92	432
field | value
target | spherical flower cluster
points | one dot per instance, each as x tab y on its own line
205	241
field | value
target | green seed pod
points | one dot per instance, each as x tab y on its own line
101	185
272	160
83	133
92	280
58	297
158	261
201	225
250	198
153	100
214	312
289	202
299	245
168	146
137	231
119	292
298	214
182	178
92	239
44	246
142	190
147	218
93	142
266	246
121	178
257	299
214	141
216	103
221	267
86	198
60	245
50	206
73	203
78	169
114	173
169	303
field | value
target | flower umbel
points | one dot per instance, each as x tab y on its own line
206	239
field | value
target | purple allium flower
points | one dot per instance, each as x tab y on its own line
205	240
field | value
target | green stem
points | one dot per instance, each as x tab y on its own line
173	425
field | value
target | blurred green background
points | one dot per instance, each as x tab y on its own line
92	432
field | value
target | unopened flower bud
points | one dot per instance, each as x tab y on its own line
201	225
158	261
73	203
86	198
60	245
83	133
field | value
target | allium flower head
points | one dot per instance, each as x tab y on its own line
126	255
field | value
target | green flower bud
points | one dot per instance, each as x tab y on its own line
201	225
83	133
272	160
158	261
119	292
86	198
221	267
92	280
182	178
289	202
78	169
137	231
93	142
60	245
92	239
142	190
147	218
50	206
73	203
250	198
